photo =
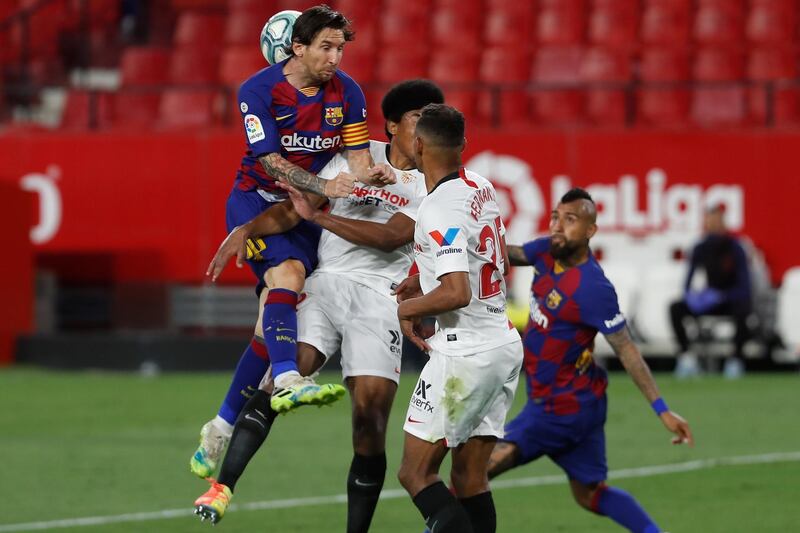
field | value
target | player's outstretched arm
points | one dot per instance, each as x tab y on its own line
386	237
517	256
635	365
284	171
361	164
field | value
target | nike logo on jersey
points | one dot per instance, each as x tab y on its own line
284	117
414	421
363	484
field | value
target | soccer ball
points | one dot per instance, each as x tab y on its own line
276	37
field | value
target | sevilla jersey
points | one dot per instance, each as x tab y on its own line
361	263
568	308
306	126
459	230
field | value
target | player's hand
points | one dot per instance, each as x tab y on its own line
411	329
680	427
408	288
233	245
341	186
300	201
380	174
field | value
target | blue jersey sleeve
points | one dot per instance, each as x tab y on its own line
260	127
535	249
355	134
599	306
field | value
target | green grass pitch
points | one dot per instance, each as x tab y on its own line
77	445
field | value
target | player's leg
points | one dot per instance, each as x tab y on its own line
471	482
614	503
419	475
372	398
504	457
250	431
686	364
253	363
585	464
285	281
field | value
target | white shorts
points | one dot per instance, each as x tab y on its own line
463	396
341	314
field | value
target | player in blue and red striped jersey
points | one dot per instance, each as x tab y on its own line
297	115
571	301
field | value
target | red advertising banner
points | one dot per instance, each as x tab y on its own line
151	206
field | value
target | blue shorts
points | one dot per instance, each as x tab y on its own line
299	243
576	443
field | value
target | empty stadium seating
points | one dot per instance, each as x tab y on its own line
656	63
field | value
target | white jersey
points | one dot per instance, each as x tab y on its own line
366	265
459	230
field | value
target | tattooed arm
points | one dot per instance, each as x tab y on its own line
517	256
635	365
282	170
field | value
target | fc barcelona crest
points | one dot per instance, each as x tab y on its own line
334	116
553	299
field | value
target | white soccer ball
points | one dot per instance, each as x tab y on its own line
276	37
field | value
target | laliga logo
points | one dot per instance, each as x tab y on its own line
50	207
677	207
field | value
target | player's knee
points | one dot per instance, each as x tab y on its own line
289	275
585	495
408	477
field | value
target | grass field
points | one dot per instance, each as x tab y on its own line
87	445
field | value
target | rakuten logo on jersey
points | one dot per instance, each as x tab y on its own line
538	317
296	142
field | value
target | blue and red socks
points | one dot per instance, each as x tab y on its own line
280	331
251	368
623	509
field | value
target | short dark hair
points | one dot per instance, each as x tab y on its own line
407	96
576	194
315	19
443	124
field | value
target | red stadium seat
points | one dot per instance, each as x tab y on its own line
297	5
506	102
400	63
188	108
465	100
660	102
360	13
554	69
453	66
199	30
606	105
718	105
144	65
509	26
560	25
613	27
664	64
402	28
239	63
466	24
359	63
79	108
244	28
773	65
771	24
718	64
665	25
192	65
252	6
714	24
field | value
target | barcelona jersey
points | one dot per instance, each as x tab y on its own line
568	307
305	126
